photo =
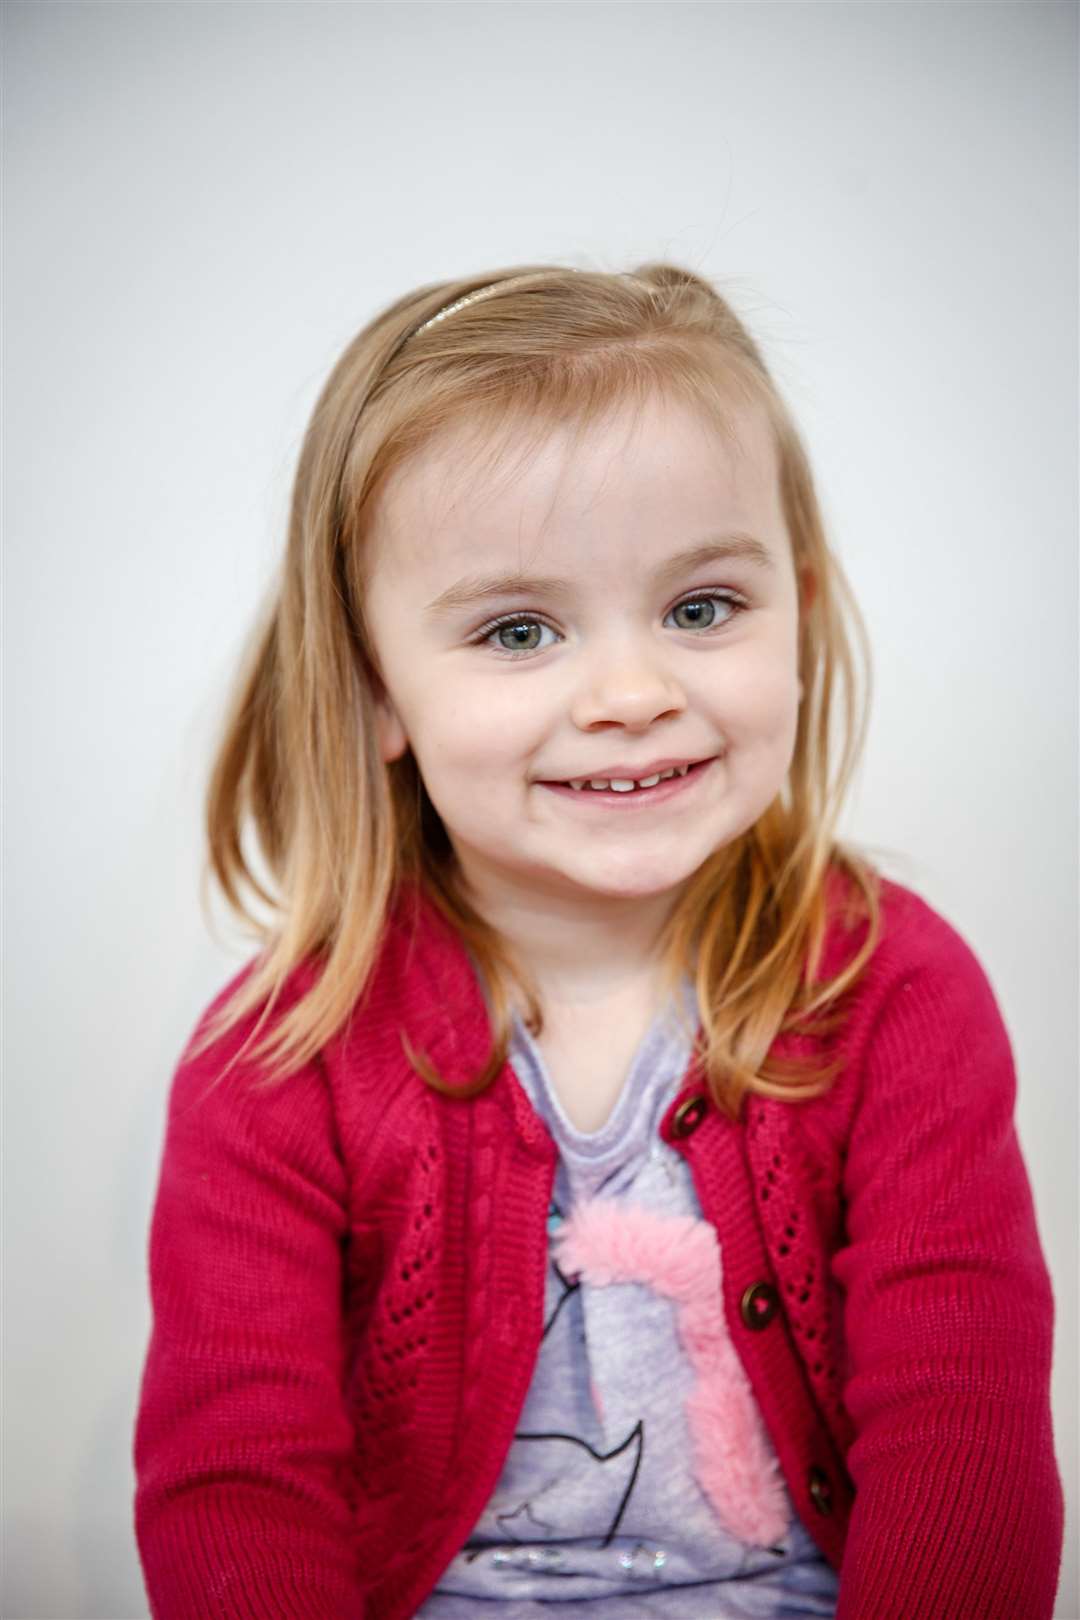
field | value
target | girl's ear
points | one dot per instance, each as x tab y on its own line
807	587
393	740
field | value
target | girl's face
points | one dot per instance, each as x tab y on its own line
606	614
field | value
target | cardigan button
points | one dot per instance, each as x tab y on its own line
820	1487
759	1304
688	1116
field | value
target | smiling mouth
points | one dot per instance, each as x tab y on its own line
661	785
625	785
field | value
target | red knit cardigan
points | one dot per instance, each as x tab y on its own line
347	1278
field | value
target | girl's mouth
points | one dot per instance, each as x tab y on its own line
660	792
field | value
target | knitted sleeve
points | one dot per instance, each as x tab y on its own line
948	1317
242	1443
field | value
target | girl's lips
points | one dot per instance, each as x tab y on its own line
637	797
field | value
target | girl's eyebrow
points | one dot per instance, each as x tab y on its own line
479	587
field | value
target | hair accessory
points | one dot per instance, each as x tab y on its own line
458	304
497	286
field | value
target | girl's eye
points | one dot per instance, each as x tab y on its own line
514	635
519	634
700	611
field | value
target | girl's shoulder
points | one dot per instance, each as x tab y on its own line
915	941
922	1028
419	994
297	982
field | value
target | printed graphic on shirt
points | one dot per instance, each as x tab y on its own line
576	1493
604	1242
608	1489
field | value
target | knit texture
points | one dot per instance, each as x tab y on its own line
347	1279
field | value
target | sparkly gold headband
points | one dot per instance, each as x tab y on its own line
496	287
459	303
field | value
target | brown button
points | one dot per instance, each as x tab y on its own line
820	1487
759	1304
688	1116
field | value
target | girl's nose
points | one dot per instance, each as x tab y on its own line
630	688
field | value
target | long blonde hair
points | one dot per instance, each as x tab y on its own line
340	831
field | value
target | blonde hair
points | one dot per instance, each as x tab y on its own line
340	831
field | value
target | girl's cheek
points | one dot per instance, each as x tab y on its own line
750	690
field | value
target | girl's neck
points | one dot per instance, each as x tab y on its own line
580	955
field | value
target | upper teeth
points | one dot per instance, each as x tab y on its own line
627	786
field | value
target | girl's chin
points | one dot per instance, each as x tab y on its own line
586	878
634	884
586	888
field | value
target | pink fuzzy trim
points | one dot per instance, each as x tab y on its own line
679	1257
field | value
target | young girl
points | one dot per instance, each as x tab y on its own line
600	1196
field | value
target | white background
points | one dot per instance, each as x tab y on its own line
202	204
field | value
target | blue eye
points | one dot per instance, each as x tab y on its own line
701	610
514	635
519	634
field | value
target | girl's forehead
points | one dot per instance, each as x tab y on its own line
662	464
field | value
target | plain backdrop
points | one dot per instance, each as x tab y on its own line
202	204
